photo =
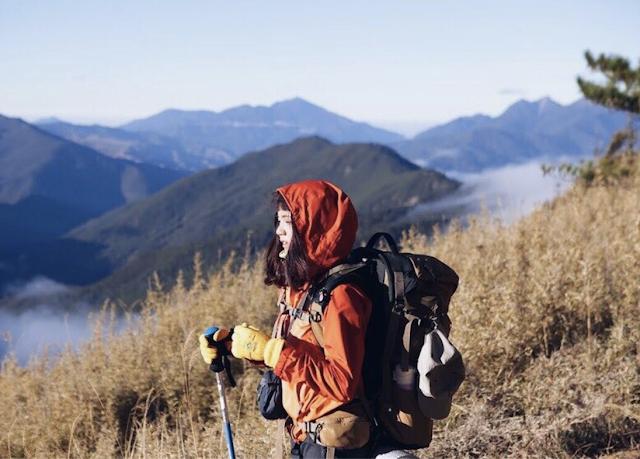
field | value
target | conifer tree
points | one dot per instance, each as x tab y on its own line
619	91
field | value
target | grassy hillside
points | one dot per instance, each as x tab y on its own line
546	317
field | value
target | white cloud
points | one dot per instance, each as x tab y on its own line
37	287
27	333
508	193
48	328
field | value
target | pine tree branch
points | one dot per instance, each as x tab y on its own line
621	90
609	96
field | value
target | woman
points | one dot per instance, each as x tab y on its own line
316	226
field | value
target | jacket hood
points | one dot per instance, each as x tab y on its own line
324	217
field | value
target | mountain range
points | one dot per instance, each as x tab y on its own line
215	211
141	147
539	130
197	140
49	185
40	170
106	217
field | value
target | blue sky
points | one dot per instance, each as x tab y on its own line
388	62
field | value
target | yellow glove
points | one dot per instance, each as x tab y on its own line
212	353
272	351
250	343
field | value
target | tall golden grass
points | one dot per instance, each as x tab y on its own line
547	317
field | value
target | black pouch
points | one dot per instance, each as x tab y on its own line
270	397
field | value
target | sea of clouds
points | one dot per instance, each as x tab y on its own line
507	193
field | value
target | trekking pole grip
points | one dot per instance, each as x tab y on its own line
217	365
222	362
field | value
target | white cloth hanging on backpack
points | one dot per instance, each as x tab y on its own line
441	371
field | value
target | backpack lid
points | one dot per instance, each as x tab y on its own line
440	372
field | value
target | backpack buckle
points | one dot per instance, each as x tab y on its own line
315	317
312	428
322	297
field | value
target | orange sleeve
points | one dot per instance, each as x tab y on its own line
336	372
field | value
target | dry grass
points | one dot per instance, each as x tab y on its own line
547	317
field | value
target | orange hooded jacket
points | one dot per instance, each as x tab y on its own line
315	381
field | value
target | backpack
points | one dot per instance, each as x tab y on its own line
410	297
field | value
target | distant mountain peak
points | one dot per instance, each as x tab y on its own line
520	105
546	100
293	101
298	104
312	140
169	111
525	107
230	133
48	120
538	130
546	104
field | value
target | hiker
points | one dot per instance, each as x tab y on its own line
315	229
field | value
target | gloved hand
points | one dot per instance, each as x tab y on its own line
222	339
250	343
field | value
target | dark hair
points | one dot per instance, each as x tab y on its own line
294	269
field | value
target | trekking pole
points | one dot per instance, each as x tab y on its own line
217	365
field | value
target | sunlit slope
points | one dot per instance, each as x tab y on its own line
213	211
546	316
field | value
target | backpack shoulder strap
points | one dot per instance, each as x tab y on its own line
312	309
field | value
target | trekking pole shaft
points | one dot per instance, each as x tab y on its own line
225	417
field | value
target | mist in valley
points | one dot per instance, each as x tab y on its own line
507	193
49	326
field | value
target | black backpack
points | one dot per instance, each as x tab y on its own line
410	295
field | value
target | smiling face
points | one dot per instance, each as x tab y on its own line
284	231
